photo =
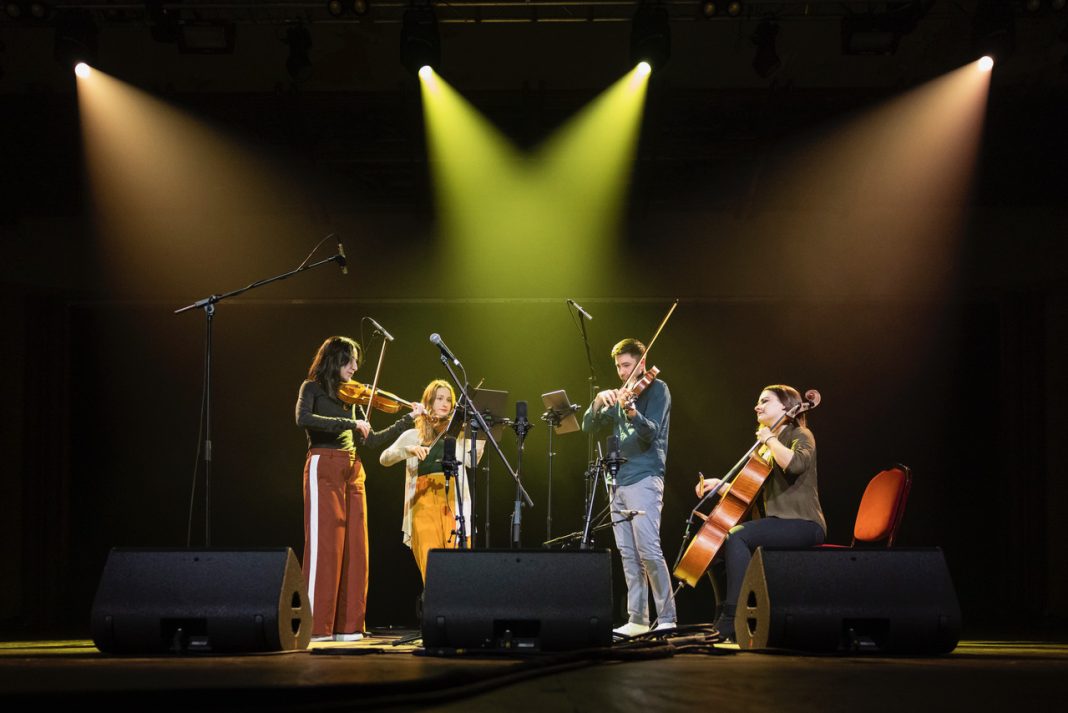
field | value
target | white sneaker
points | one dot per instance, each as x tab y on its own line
318	639
347	637
664	626
631	629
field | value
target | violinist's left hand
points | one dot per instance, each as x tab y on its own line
418	409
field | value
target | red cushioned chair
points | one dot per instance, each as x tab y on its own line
878	518
881	507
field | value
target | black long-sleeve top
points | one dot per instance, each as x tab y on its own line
329	422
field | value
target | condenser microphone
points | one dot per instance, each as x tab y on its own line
521	424
450	466
435	338
341	259
614	459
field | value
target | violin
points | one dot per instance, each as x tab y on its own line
641	385
353	392
746	480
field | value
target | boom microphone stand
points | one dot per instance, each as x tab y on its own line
208	305
448	360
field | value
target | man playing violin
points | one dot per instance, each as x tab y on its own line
335	513
642	425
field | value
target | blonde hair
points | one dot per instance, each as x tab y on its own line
427	427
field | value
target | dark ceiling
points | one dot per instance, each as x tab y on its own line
511	45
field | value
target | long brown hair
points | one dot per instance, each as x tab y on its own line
789	397
428	427
325	368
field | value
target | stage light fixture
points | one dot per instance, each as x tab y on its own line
650	35
1033	6
360	7
766	61
298	63
40	10
207	37
881	32
734	8
1056	5
336	8
986	64
994	29
162	22
13	10
82	70
420	43
75	39
709	8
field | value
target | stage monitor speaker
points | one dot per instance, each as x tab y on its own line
518	600
898	601
209	601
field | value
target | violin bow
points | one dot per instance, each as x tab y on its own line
374	384
649	348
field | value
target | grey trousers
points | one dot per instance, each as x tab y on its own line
638	542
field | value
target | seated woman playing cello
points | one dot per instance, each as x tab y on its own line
791	502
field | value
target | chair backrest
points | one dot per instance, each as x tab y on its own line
882	506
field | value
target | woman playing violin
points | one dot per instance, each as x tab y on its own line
335	513
791	502
429	517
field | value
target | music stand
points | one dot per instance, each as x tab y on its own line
490	403
560	414
563	410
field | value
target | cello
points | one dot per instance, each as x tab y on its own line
745	479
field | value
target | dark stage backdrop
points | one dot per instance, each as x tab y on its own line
888	388
961	381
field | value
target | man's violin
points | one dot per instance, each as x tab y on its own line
353	392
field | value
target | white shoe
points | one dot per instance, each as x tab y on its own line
665	626
631	629
347	637
319	639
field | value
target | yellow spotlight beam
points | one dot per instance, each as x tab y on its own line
550	213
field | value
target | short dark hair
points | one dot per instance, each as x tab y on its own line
629	346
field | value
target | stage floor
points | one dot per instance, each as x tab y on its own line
681	672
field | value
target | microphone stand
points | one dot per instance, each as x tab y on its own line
608	467
593	387
450	468
552	418
520	428
465	398
208	305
